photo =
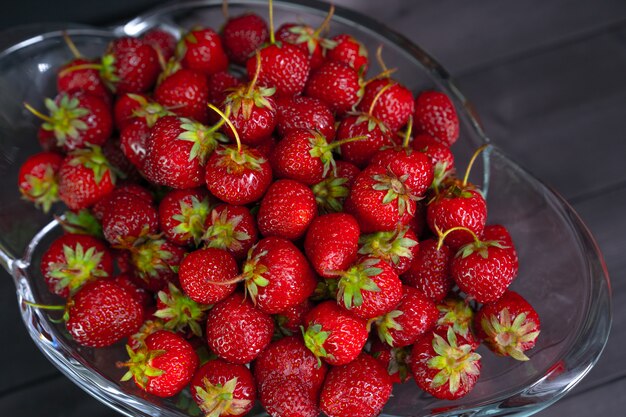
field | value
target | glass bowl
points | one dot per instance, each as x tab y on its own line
562	273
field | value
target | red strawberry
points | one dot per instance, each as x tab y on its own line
144	297
203	275
369	289
219	85
302	112
349	51
484	269
283	66
38	181
380	199
163	42
113	153
430	272
498	233
435	115
80	74
223	389
101	313
286	397
393	359
358	389
183	215
388	101
337	85
154	263
186	93
440	156
289	320
508	326
201	50
277	275
361	152
238	176
127	218
73	260
455	312
243	35
236	331
396	247
130	65
286	210
163	366
85	177
333	334
443	366
179	312
231	228
137	190
404	161
129	107
412	317
133	139
331	192
331	243
76	119
177	150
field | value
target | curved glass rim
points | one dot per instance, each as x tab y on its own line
600	288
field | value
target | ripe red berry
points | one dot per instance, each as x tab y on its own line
243	35
130	65
337	85
349	51
38	179
201	50
186	93
301	112
435	115
204	275
430	271
183	215
283	66
392	106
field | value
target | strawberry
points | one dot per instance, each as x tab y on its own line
238	176
223	389
435	115
430	272
80	75
163	366
388	101
498	233
444	366
231	228
440	156
300	112
243	35
186	93
183	215
76	119
201	50
370	288
286	396
144	297
102	206
127	218
333	334
101	313
404	161
163	42
154	262
180	312
236	331
358	389
286	210
331	243
412	317
508	326
73	260
336	84
130	65
283	66
455	312
133	139
396	247
38	179
349	51
138	340
219	85
361	152
112	151
85	177
380	199
288	321
204	275
277	275
331	192
177	150
394	359
483	269
129	107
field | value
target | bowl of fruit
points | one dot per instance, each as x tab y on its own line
282	209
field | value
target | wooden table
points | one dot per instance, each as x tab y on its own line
549	81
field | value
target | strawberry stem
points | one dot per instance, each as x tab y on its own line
407	135
44	306
80	67
70	44
445	234
379	58
377	96
228	122
471	163
338	143
38	113
325	23
272	36
225	9
256	74
384	74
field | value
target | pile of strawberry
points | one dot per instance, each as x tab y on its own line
258	221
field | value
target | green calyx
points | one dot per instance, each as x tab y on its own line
218	400
43	191
92	158
205	139
139	365
180	311
108	71
149	110
479	247
82	222
80	266
223	233
150	259
314	339
172	66
507	335
147	328
66	118
330	194
389	246
454	362
441	173
253	271
386	323
326	289
398	362
236	161
356	280
323	150
456	313
397	191
372	122
192	219
244	98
